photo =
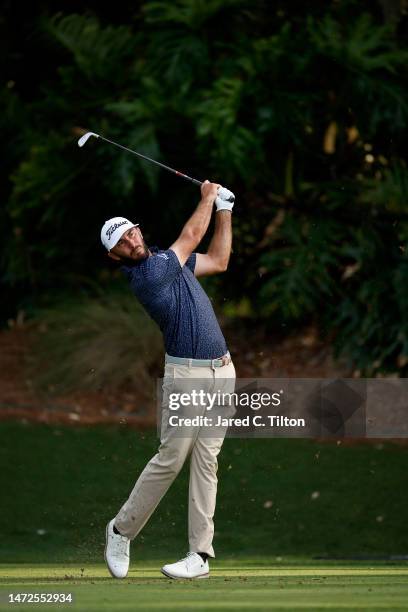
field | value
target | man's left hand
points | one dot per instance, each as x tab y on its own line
225	199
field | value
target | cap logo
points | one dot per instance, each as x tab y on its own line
114	227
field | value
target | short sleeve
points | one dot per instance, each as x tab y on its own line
191	262
160	269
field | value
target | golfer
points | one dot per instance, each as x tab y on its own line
165	282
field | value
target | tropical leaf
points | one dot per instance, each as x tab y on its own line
190	13
177	57
96	49
301	269
361	45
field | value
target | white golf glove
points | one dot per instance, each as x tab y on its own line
225	199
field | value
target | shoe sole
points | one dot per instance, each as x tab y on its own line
106	560
181	577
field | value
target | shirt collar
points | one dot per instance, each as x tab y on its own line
125	267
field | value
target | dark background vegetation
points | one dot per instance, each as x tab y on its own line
299	108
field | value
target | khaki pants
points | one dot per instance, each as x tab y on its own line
163	468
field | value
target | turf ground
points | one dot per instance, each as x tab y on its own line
250	585
281	503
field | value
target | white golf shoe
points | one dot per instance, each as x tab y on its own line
192	566
116	552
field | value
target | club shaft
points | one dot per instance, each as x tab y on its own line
153	161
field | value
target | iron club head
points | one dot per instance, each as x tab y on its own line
85	137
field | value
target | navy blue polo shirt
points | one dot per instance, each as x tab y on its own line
174	298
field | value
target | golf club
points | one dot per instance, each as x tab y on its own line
223	193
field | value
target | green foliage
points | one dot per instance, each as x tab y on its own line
139	115
93	344
366	54
302	268
217	120
299	109
372	319
390	193
361	45
96	50
192	15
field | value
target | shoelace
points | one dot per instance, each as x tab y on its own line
187	557
189	554
121	546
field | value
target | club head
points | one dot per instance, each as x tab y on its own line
85	137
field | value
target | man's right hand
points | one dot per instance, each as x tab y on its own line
209	191
195	228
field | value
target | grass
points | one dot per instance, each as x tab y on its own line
280	504
243	585
276	497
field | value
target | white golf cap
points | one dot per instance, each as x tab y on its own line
113	230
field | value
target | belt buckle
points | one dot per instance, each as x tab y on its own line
225	360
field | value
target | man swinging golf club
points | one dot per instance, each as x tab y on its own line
165	282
